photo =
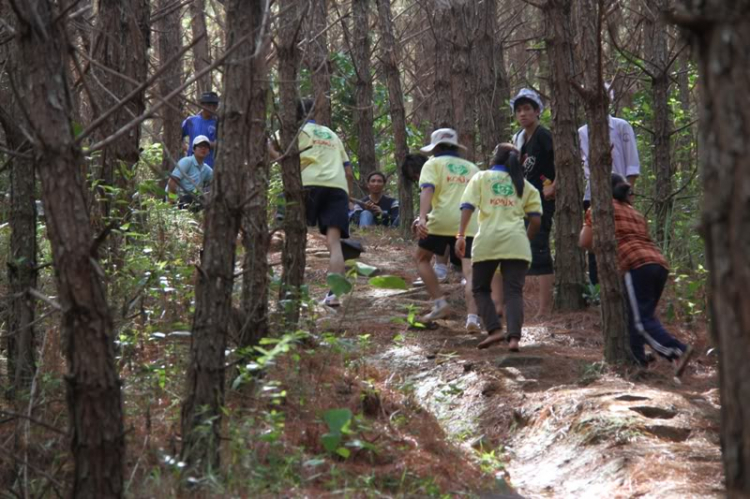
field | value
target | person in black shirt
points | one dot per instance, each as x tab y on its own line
376	208
538	157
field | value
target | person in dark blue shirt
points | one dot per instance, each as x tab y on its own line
203	123
376	208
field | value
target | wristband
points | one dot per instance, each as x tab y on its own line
460	236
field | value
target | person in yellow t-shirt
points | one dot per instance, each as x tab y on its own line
327	180
504	199
442	182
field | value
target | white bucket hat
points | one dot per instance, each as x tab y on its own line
442	136
201	139
527	93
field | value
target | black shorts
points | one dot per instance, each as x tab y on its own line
327	207
437	245
541	254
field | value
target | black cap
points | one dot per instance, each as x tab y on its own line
209	98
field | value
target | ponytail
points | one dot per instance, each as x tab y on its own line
506	154
516	172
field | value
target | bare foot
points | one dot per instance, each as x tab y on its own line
513	344
496	337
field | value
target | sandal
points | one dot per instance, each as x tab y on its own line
491	340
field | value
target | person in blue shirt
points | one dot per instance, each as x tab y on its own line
203	123
192	176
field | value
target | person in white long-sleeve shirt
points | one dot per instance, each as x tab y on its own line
625	162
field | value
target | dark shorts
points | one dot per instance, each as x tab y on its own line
437	245
327	207
541	253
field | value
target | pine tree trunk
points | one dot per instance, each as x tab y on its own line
317	60
169	45
22	273
493	89
363	115
614	316
295	228
255	235
93	387
720	32
569	259
463	84
389	60
657	55
121	43
443	99
201	51
204	400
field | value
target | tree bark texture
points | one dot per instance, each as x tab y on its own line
441	21
22	272
201	51
295	228
121	42
363	115
255	235
389	59
657	55
202	408
169	45
720	33
463	84
317	60
93	387
493	90
570	275
614	316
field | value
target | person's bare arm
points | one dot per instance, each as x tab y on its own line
273	153
586	238
425	204
535	223
631	180
461	236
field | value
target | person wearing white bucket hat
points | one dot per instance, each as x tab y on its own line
442	182
534	141
192	176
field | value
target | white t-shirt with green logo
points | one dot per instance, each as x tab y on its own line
502	232
448	175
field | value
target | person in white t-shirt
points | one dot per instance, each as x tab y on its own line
625	162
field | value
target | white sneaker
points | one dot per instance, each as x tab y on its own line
441	271
472	324
440	309
463	281
331	300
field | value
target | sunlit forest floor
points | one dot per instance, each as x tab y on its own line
364	403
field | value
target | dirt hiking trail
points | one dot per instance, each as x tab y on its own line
562	425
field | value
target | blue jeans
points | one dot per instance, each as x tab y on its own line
644	286
366	218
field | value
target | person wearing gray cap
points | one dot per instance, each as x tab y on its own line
203	123
538	159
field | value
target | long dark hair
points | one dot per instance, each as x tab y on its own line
506	154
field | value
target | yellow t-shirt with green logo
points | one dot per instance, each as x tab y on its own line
322	157
502	232
448	175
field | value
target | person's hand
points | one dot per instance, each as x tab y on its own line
422	229
351	206
549	191
373	208
460	247
414	226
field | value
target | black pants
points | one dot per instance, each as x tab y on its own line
514	278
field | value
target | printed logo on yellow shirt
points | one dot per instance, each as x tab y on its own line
457	169
322	134
503	188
